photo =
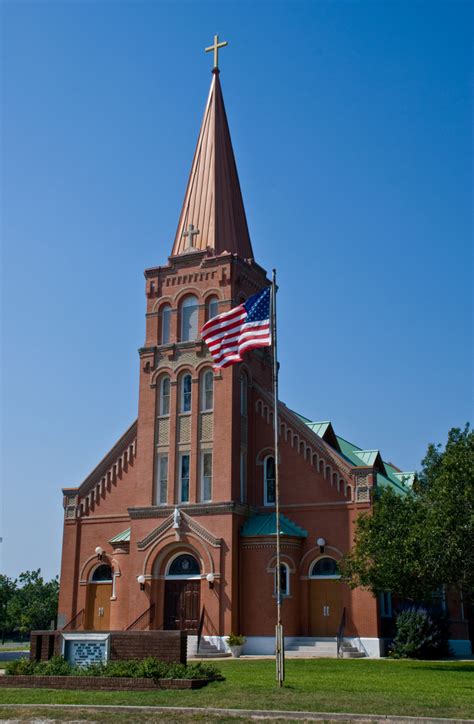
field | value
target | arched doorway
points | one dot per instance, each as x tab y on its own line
325	597
182	593
99	591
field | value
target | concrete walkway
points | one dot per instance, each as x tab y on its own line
247	713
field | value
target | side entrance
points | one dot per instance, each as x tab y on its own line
325	598
182	594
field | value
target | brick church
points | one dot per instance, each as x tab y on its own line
175	527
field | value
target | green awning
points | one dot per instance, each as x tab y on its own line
266	525
123	537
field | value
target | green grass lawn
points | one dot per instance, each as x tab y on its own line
416	688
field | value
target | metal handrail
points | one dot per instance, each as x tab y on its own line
340	632
72	624
143	621
200	628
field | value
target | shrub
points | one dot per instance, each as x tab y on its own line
149	668
420	635
235	640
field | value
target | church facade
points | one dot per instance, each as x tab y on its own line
175	527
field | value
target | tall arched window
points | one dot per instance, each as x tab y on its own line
243	394
185	396
189	319
207	391
164	402
165	323
269	481
284	579
212	308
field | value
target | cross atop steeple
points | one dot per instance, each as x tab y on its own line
216	48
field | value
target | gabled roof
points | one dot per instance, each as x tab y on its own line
323	430
123	537
213	200
266	525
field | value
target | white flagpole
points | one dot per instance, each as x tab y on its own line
279	638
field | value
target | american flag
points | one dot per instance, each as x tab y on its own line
230	334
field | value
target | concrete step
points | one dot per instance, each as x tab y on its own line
212	655
353	655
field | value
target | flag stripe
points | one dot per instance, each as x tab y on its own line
230	334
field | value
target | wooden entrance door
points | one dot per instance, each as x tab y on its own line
325	607
98	606
182	600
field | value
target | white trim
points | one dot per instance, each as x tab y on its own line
201	475
160	401
180	480
288	585
204	374
182	411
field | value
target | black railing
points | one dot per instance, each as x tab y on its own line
340	632
144	620
200	627
75	622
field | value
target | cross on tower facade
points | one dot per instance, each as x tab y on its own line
216	48
191	231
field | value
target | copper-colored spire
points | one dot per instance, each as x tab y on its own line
213	201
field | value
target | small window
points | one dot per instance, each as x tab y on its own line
165	324
269	481
189	319
243	395
184	565
284	580
184	478
206	476
102	574
164	405
207	391
325	568
161	479
186	383
212	308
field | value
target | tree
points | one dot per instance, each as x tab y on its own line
415	543
34	604
7	591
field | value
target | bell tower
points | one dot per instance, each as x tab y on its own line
191	436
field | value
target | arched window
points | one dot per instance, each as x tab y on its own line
284	579
189	319
184	565
243	394
165	322
102	574
325	568
212	308
269	481
164	401
185	403
207	391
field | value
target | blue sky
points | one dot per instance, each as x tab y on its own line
351	124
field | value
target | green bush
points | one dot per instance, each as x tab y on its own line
235	639
149	668
420	635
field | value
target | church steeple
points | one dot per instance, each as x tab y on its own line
213	203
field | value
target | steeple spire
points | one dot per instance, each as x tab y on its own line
213	201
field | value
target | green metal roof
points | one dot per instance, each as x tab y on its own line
266	525
406	479
123	537
368	457
319	427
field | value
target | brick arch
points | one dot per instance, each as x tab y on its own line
91	564
188	292
245	369
214	292
284	558
185	367
160	551
263	453
314	554
159	373
161	302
